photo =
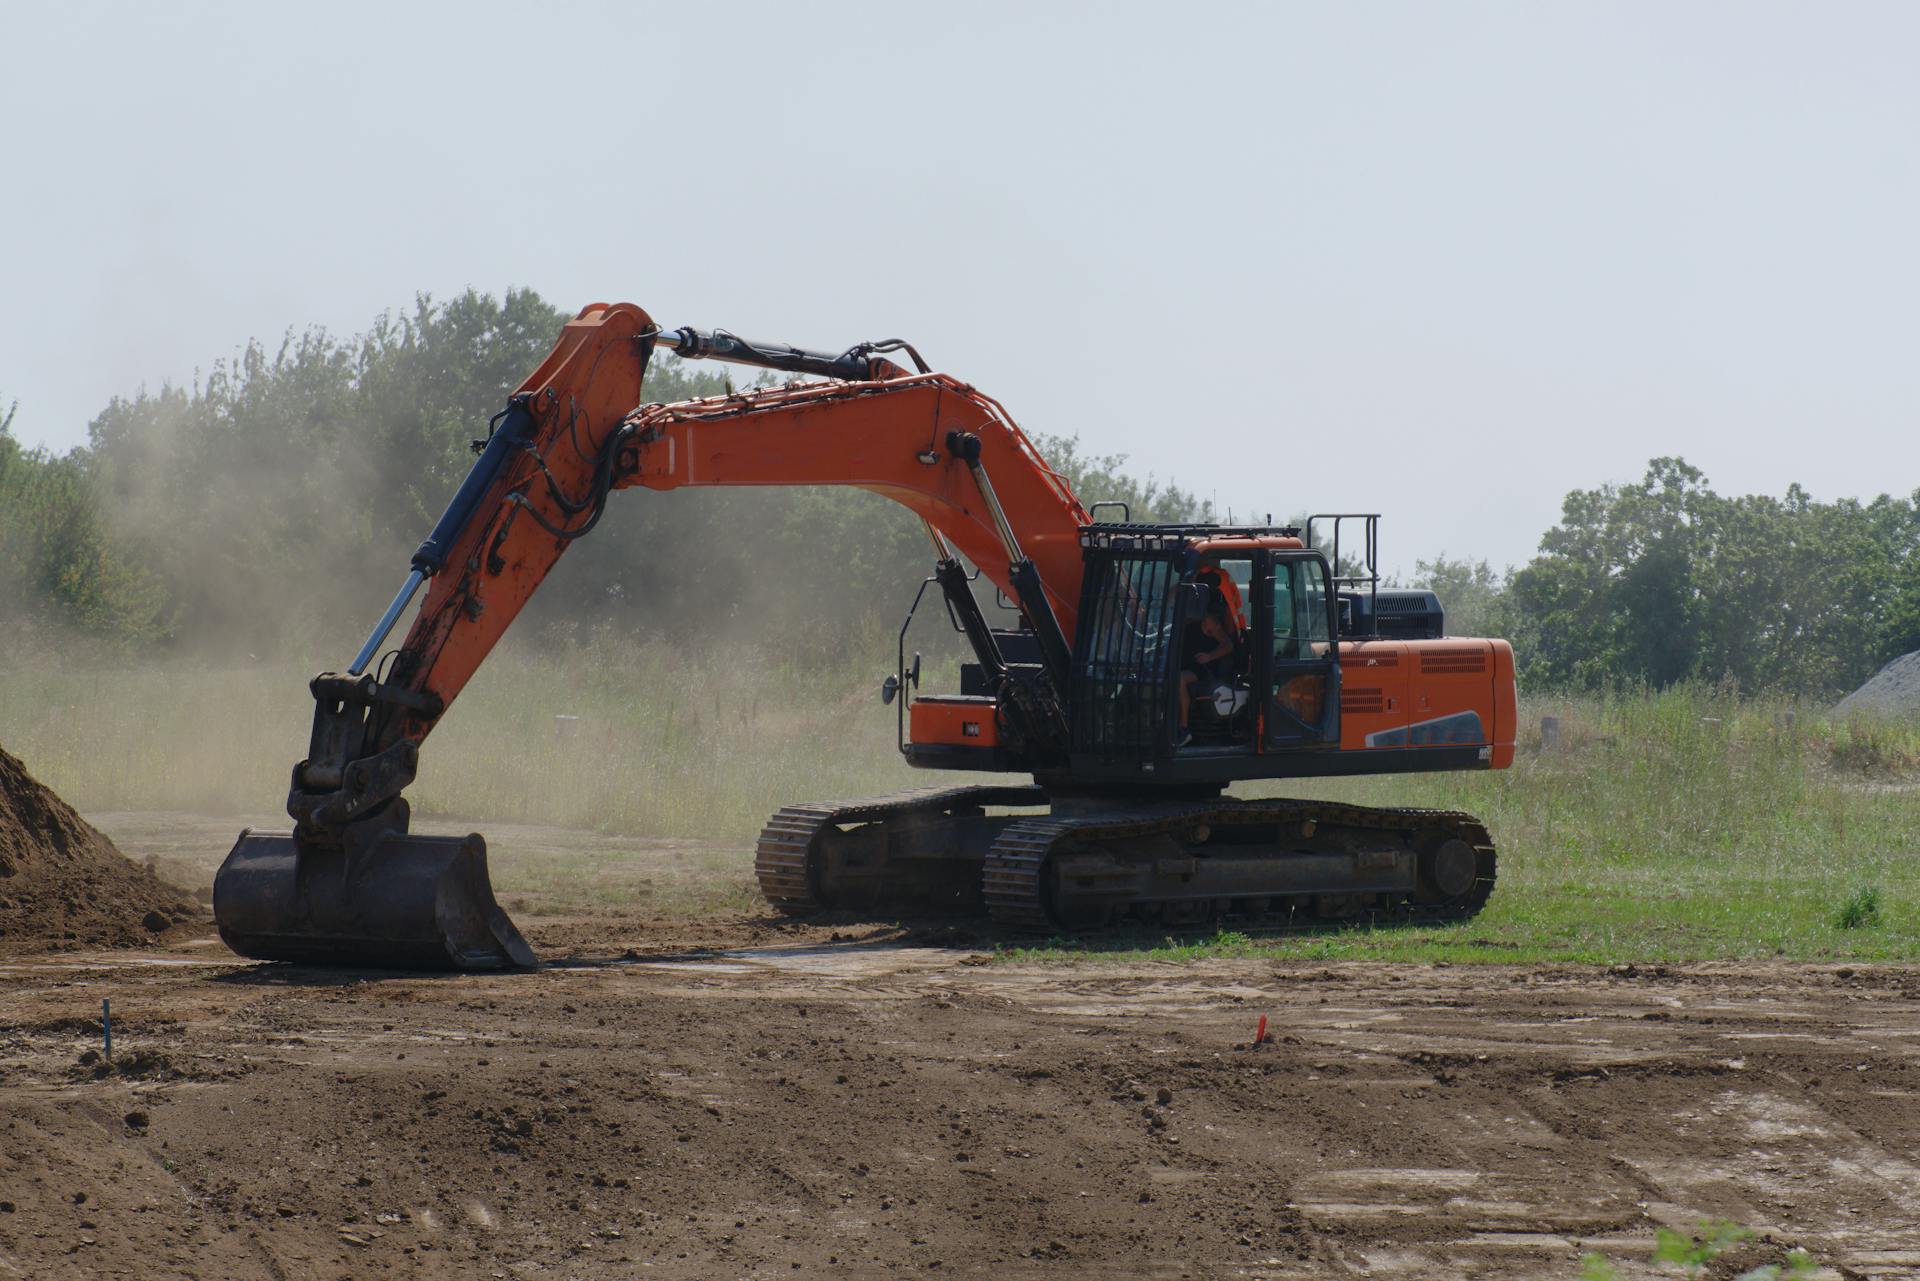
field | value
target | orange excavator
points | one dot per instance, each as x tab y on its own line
1148	666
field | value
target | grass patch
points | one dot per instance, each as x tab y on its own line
1693	1255
1860	911
1687	825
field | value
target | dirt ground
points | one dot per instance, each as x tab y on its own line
63	885
735	1096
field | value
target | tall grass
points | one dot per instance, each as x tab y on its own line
660	740
1686	823
1689	822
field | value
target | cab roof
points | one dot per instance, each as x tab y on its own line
1140	537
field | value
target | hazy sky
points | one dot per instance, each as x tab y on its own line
1446	261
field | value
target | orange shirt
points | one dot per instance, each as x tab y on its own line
1229	591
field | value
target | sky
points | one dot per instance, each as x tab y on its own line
1442	261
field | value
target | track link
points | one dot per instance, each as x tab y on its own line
788	860
1021	892
1011	882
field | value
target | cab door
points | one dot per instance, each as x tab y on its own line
1297	665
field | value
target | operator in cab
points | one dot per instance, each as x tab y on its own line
1209	656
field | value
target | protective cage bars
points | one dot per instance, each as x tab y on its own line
1121	694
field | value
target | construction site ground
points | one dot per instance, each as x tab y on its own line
725	1094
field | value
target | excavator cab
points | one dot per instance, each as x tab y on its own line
1142	650
1145	649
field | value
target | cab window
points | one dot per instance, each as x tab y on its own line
1313	603
1299	710
1299	611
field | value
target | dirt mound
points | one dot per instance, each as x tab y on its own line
64	885
1893	691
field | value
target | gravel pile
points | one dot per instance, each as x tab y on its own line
1893	691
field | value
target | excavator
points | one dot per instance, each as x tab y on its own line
1145	667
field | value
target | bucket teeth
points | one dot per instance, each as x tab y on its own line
396	902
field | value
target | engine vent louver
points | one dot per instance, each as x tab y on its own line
1359	702
1453	662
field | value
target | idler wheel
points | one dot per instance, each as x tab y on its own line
1450	868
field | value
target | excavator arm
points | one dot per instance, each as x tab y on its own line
348	884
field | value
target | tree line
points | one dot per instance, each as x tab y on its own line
274	500
267	503
1664	580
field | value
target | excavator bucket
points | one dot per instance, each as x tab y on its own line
395	902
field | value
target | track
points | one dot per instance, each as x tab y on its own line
1079	873
1272	865
802	862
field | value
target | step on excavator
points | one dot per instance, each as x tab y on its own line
1145	668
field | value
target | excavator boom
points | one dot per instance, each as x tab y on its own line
349	884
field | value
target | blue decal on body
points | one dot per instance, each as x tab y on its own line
1460	728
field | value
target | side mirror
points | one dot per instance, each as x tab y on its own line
913	673
889	689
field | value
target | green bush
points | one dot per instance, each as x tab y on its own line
60	566
1859	911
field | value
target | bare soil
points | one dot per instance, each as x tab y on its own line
63	885
739	1096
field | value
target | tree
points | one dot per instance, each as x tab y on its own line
59	565
278	496
1666	580
1610	595
1104	478
1472	592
